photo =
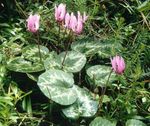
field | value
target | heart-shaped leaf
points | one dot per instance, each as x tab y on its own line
19	64
58	86
99	121
109	47
134	122
13	48
31	52
74	61
85	106
52	62
86	46
71	61
104	47
99	74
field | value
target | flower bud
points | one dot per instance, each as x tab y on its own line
85	17
60	12
73	22
33	23
118	64
67	20
79	27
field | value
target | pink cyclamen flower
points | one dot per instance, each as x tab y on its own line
60	12
73	22
76	24
79	16
67	20
33	23
118	64
79	27
85	17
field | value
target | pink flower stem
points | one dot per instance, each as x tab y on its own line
65	30
38	40
104	90
58	31
59	39
69	43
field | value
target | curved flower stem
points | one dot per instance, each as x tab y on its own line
104	90
39	47
65	31
59	42
58	31
66	51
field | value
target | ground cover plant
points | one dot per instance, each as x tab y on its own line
75	63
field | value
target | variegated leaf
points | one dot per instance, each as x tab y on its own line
58	86
85	106
31	52
134	122
100	121
19	64
74	61
99	74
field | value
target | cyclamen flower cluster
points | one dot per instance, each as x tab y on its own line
70	20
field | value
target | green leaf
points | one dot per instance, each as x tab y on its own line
74	61
29	61
86	46
26	105
33	76
100	121
85	106
99	74
15	48
145	6
134	122
104	47
109	47
31	52
12	48
1	57
58	86
52	62
19	64
6	100
3	73
106	99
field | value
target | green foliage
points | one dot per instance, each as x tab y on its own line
85	106
104	47
99	75
58	86
55	77
73	62
145	6
134	122
31	53
19	64
99	121
8	114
